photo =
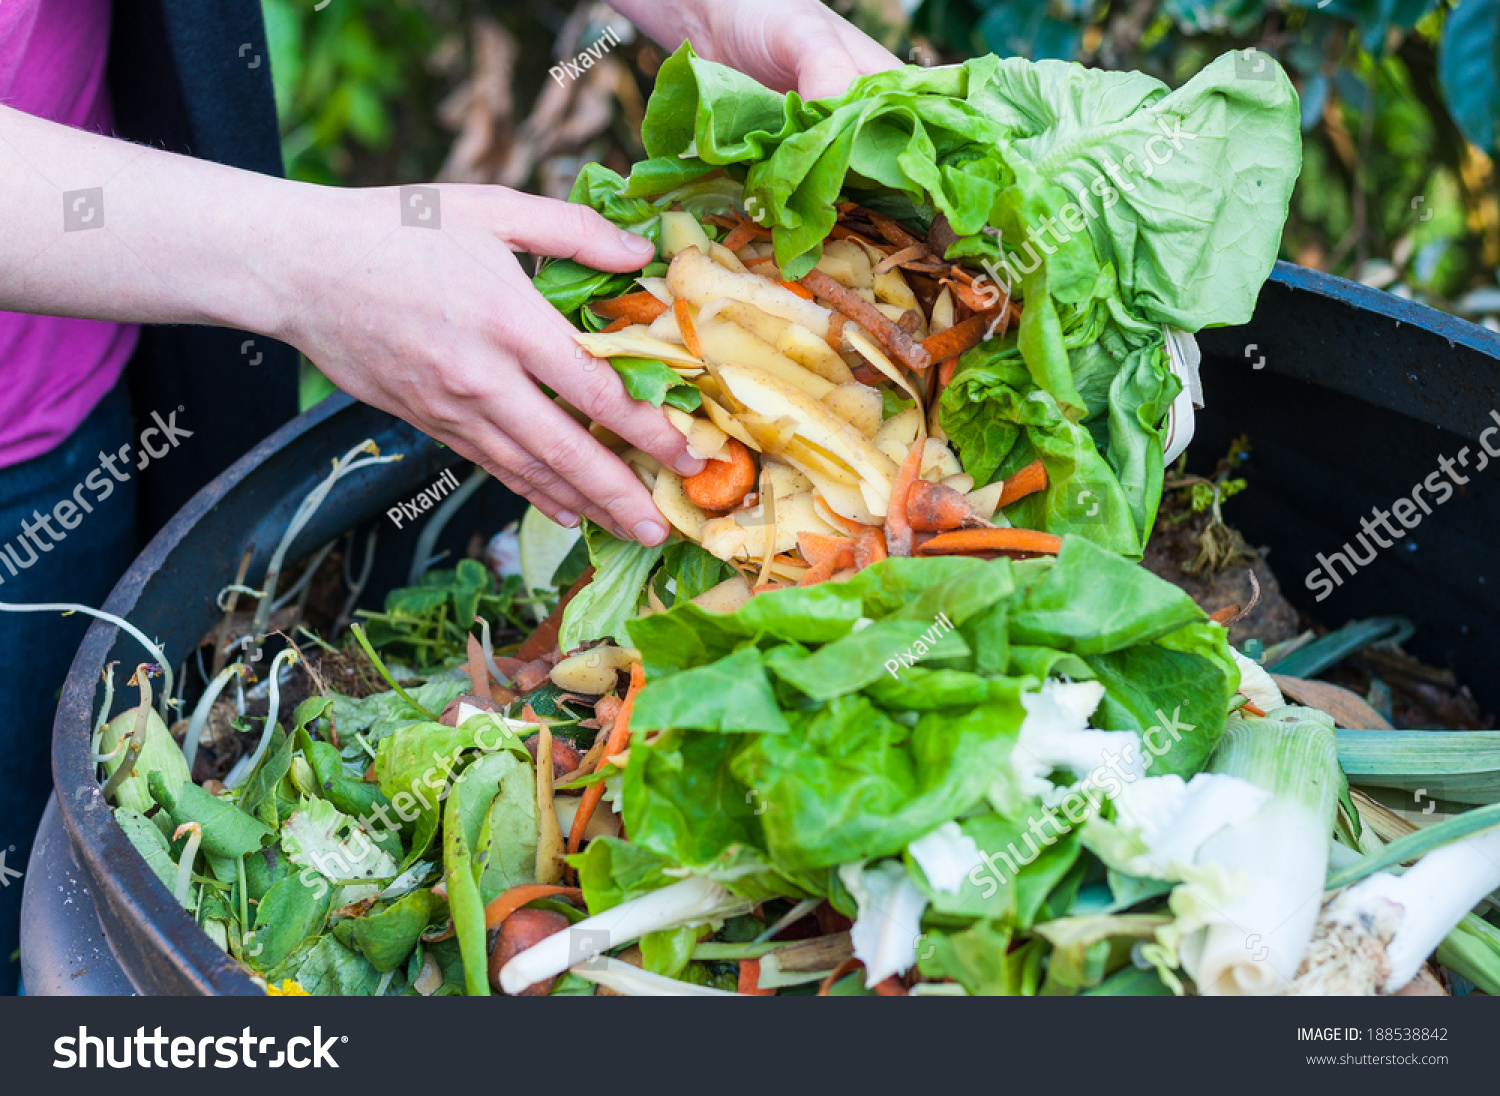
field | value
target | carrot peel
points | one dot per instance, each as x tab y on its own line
897	523
516	897
685	326
619	738
1004	541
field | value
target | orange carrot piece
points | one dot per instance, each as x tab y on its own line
1251	708
516	897
749	983
680	309
815	547
936	508
541	641
801	290
767	587
820	572
615	325
723	484
741	235
891	987
965	541
619	738
897	523
945	373
869	548
1225	615
1028	481
960	337
638	307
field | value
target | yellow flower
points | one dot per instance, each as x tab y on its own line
289	988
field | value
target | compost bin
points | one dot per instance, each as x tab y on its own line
1350	396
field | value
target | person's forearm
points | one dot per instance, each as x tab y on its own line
104	229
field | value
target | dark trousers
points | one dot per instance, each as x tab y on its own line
36	649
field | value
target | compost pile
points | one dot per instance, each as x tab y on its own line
895	711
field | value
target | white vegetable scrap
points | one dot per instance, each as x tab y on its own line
1256	684
890	917
946	855
692	901
1172	818
1375	936
1055	735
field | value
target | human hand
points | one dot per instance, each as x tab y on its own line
794	45
444	329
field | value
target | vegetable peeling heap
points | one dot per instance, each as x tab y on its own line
894	712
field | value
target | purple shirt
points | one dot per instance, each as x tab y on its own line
52	370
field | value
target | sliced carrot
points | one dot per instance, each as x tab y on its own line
615	325
681	310
965	541
816	547
749	983
936	508
1225	615
760	260
516	897
801	291
619	738
723	484
740	235
638	307
946	371
544	639
767	587
1028	481
1251	708
869	548
897	523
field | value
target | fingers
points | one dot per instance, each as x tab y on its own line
833	54
562	454
567	231
517	468
549	353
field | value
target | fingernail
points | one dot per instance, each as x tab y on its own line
637	243
686	465
567	518
650	532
